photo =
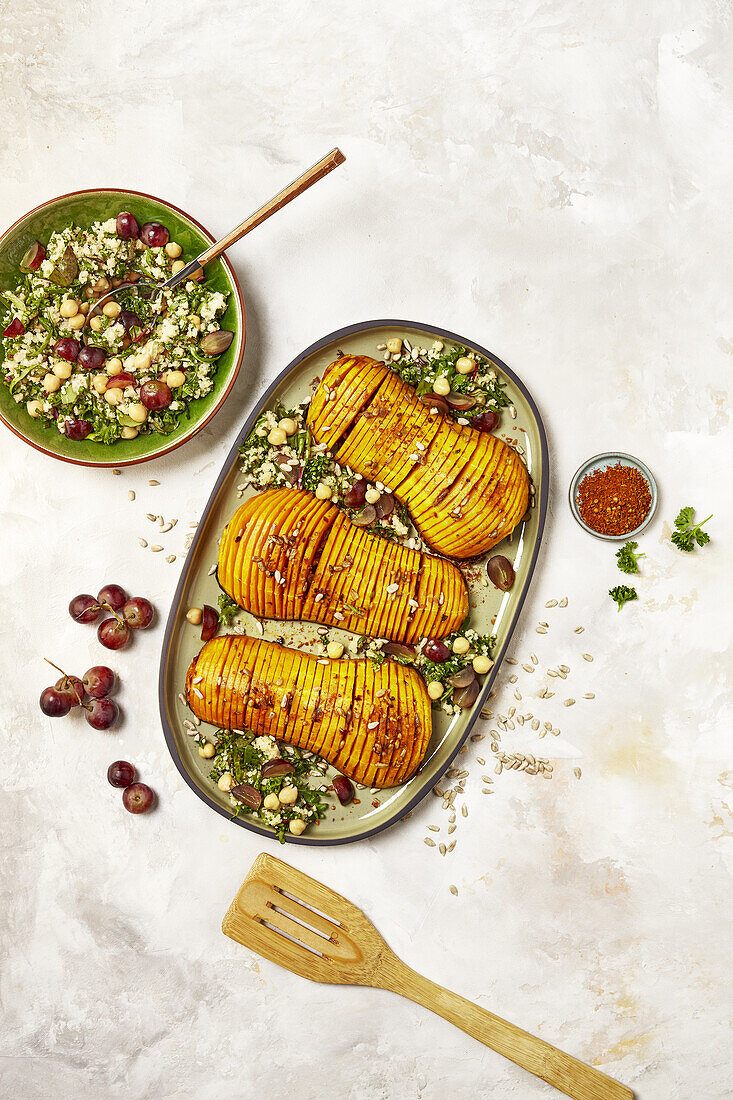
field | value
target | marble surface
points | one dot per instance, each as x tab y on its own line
554	181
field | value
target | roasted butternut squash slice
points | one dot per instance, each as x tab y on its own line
474	466
320	553
373	724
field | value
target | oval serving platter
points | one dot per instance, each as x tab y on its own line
492	611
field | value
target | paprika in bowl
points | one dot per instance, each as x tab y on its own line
613	496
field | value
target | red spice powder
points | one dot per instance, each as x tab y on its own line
614	500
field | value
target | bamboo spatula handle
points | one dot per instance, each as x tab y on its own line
561	1070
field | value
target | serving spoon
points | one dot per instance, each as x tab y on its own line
194	268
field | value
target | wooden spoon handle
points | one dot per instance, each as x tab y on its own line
574	1078
297	187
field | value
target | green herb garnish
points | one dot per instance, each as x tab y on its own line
628	559
688	533
622	594
228	609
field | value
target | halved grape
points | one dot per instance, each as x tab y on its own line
209	623
138	612
120	381
112	594
98	680
91	358
54	703
485	421
127	227
154	235
155	394
216	343
33	258
129	319
76	430
436	651
15	328
355	494
84	608
344	789
101	713
113	634
121	773
67	348
138	798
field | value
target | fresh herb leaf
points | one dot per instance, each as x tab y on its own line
684	519
628	559
622	594
687	533
314	471
228	609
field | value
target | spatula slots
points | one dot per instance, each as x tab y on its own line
295	921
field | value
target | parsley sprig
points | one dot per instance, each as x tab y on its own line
622	594
689	533
228	609
628	559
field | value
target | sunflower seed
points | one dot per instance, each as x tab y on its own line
153	481
589	695
150	516
442	849
534	658
563	602
130	494
528	668
587	657
143	543
117	471
430	843
579	630
171	558
568	702
434	828
182	698
551	603
577	773
564	668
511	661
453	890
451	829
540	630
513	678
166	527
212	570
464	810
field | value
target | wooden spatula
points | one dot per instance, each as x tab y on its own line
302	925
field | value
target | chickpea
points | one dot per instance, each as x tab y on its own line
435	689
84	308
100	382
102	285
144	359
482	664
33	408
114	366
174	379
176	266
372	496
69	307
112	309
173	250
288	425
288	795
277	437
96	323
62	370
323	492
297	826
77	321
51	383
113	397
226	782
129	433
461	645
271	802
441	386
195	615
138	413
464	365
207	751
334	650
394	346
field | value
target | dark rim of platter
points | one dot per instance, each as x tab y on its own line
91	191
541	505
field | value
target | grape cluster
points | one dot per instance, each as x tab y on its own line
128	614
91	693
137	798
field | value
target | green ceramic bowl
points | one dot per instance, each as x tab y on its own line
83	208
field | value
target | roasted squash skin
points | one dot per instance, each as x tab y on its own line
466	490
286	555
374	725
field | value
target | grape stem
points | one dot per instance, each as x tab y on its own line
70	680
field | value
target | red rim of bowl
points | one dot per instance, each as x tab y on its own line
242	335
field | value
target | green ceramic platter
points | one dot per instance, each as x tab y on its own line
492	611
82	208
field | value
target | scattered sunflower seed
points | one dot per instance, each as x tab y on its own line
453	890
143	543
577	773
212	570
534	658
116	472
430	843
563	602
171	558
568	702
551	603
150	516
587	657
589	695
130	494
156	549
442	849
434	828
153	481
464	810
451	829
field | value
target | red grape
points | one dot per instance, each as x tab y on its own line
84	608
155	395
98	680
113	595
355	494
436	651
113	634
129	319
73	687
138	798
209	623
67	348
91	358
121	773
127	227
138	612
101	713
15	328
344	789
120	381
485	421
154	235
54	703
76	430
33	258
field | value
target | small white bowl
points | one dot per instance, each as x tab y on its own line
601	462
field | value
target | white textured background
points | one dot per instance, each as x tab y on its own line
554	180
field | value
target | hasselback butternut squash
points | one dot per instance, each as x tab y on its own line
466	490
286	555
372	724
